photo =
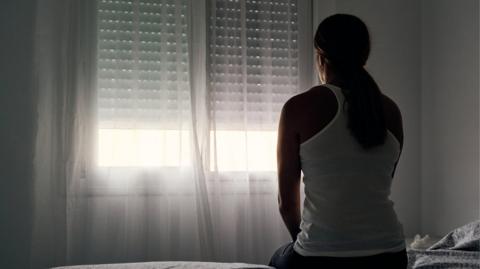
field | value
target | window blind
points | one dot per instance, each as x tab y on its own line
142	63
143	80
253	61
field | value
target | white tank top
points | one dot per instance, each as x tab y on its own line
347	211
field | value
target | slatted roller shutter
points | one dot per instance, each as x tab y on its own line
143	76
253	61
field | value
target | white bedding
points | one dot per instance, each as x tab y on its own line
169	265
458	249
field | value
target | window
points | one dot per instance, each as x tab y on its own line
253	71
143	85
144	89
254	61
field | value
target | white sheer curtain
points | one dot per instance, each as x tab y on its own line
157	127
64	63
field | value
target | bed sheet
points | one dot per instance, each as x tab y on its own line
443	259
169	265
458	249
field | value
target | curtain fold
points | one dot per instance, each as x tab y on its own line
65	40
157	128
197	42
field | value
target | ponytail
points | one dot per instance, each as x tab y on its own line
343	41
366	120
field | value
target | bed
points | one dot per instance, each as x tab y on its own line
169	265
458	249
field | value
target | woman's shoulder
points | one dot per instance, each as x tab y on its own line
314	96
389	102
310	108
391	108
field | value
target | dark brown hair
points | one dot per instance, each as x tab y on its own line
343	43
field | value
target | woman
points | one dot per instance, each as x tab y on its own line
346	137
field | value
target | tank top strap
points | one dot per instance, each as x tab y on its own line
338	94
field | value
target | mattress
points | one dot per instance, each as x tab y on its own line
169	265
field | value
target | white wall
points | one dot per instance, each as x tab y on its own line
450	114
425	55
395	63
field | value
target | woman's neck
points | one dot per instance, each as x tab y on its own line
334	80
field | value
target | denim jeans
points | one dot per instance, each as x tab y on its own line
286	257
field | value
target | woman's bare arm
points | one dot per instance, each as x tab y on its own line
288	165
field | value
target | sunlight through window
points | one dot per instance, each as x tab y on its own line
230	150
243	151
143	148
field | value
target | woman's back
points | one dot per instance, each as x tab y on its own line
347	211
347	142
